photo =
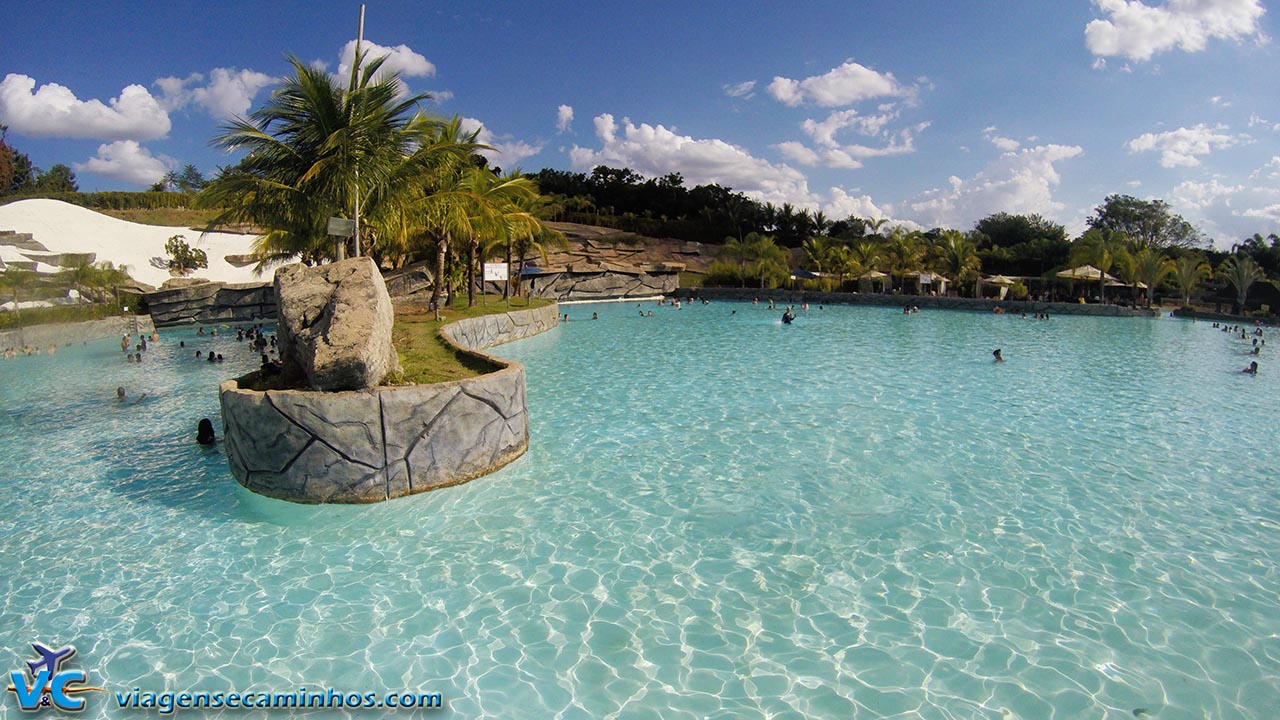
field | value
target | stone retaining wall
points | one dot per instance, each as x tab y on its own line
212	302
796	297
603	285
78	332
373	445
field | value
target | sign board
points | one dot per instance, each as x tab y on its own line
342	227
495	272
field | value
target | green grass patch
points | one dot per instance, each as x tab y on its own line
425	356
168	217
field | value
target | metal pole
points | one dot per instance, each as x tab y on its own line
356	230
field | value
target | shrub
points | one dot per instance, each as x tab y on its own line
1018	291
183	258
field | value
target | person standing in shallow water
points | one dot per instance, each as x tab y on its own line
996	354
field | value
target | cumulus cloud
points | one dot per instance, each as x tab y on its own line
507	152
54	111
1003	144
841	204
1016	182
1228	212
564	118
127	161
655	151
850	157
400	58
824	132
229	92
1180	148
741	90
1256	120
845	85
1137	31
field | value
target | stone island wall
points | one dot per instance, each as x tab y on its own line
212	302
366	446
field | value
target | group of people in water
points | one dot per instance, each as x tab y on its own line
1241	332
10	353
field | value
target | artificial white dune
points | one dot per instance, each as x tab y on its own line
65	228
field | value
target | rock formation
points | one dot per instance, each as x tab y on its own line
335	325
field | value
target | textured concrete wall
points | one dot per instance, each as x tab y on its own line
212	302
794	297
372	445
602	285
68	333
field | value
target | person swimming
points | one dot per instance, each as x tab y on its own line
787	317
1252	369
996	354
204	432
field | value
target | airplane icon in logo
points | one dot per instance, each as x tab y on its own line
49	659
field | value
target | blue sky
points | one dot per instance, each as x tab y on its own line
927	113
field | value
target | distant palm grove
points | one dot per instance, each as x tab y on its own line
417	189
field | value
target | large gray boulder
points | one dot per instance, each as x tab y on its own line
335	325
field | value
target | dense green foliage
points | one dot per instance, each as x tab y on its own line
58	314
183	259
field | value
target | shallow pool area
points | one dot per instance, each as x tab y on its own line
857	515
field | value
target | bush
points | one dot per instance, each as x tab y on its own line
723	273
1018	291
182	257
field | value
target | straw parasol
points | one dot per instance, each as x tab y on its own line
1084	272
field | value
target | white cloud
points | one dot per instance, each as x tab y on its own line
1199	195
741	90
54	111
655	151
841	205
823	132
1138	31
1016	182
400	59
1270	213
1003	144
228	93
127	161
564	118
844	85
1180	148
507	152
1257	121
848	157
1270	171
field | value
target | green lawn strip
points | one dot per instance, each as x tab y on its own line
425	356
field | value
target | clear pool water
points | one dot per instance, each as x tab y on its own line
860	515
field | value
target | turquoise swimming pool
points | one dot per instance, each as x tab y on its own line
858	515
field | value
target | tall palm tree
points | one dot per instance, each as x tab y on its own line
769	263
1188	272
903	252
80	275
317	150
1241	272
1151	267
16	279
956	257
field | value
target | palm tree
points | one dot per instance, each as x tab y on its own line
317	150
79	275
1188	272
15	279
903	253
1151	267
768	261
956	257
1241	272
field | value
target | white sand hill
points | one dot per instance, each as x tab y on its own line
62	227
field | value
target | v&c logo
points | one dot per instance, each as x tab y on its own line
50	685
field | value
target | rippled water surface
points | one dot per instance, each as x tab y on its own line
859	515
